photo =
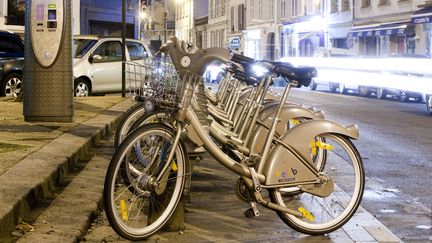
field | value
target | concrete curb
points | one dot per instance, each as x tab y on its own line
24	185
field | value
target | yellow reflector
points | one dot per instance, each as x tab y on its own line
295	122
306	214
325	146
313	147
174	166
123	210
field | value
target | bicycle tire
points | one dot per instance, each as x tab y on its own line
126	122
303	225
118	206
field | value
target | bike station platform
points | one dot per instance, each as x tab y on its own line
215	214
40	155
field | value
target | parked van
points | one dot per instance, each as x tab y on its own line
98	62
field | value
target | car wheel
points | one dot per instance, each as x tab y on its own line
333	87
12	85
313	85
429	103
381	93
364	91
403	97
82	88
342	89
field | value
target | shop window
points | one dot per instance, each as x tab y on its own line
365	3
345	5
15	12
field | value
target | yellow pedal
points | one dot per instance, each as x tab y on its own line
306	214
174	166
123	210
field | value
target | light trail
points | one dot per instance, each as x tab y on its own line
409	74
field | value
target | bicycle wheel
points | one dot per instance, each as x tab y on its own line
126	122
158	116
138	205
326	214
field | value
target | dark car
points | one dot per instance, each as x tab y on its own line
11	63
402	95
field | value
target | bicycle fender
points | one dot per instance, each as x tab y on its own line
283	166
257	140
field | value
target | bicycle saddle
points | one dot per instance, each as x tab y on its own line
194	61
303	75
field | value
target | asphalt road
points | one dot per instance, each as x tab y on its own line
396	146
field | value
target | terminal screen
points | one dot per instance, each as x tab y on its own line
52	14
40	10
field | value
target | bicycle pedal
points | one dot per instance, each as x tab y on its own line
252	211
253	160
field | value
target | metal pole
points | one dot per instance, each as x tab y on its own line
165	20
124	48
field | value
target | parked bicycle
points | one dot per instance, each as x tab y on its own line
147	174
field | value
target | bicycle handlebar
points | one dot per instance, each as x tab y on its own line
192	59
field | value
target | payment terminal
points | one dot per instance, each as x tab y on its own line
48	76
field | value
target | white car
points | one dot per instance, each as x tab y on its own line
428	100
323	52
97	64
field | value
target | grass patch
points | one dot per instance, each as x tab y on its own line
8	147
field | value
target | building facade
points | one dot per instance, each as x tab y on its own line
271	29
217	23
302	26
89	17
236	25
339	21
157	22
422	19
261	29
384	27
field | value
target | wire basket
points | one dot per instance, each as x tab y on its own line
155	80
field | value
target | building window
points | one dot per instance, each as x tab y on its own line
260	8
271	9
345	5
283	9
294	9
251	10
232	20
365	3
334	6
241	17
16	12
383	2
212	8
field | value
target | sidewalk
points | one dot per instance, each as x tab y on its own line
36	157
216	215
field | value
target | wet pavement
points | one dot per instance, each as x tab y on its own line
395	144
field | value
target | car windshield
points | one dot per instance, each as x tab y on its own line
82	46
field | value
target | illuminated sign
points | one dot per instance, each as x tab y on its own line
235	43
422	20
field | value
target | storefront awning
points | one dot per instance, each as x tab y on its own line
422	16
382	29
